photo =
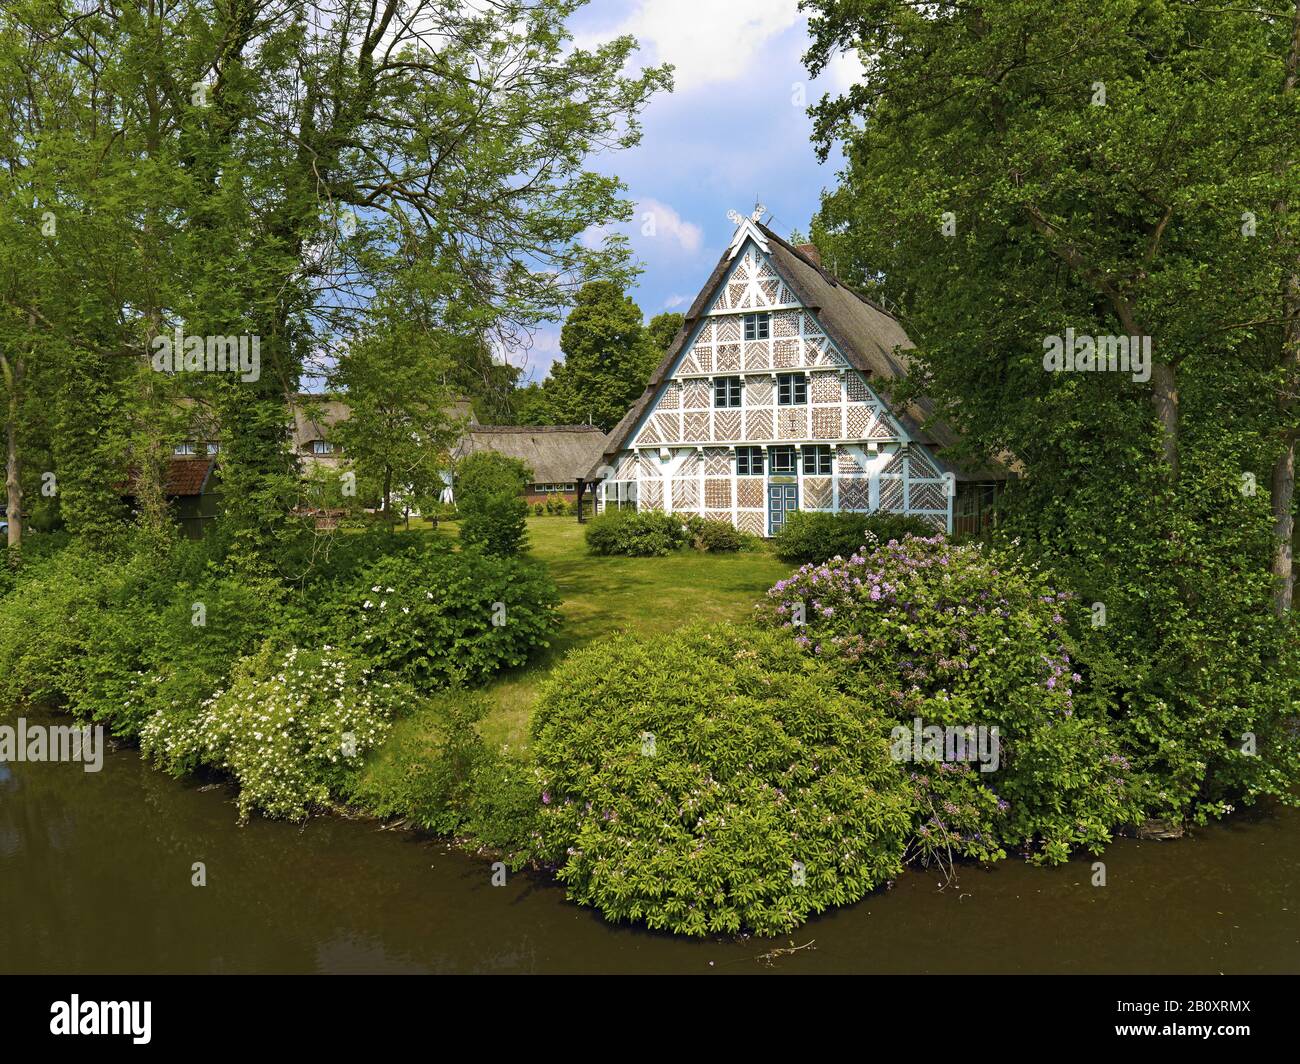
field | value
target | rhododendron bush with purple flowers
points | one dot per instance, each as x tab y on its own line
969	636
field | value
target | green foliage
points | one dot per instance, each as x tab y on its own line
663	328
489	496
399	432
715	537
639	533
608	357
424	770
435	770
817	535
970	637
757	763
37	638
117	638
291	728
653	533
438	617
1123	202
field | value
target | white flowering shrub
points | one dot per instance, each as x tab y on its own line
291	727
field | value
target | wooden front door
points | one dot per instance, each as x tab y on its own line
781	500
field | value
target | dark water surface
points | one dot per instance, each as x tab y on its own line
95	876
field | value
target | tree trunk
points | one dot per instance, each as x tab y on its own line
1164	395
1283	481
13	482
1283	489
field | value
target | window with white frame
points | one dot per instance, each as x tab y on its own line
184	450
749	461
322	447
791	389
782	459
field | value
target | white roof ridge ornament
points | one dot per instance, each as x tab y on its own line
747	227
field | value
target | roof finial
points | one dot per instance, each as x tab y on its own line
746	227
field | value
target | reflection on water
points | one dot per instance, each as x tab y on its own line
96	869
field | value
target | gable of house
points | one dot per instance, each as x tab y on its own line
809	361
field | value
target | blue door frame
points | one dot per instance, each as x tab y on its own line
781	500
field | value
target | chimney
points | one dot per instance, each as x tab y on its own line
809	251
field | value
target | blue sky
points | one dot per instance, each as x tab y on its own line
733	130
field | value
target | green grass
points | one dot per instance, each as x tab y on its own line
602	596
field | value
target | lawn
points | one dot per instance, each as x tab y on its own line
602	596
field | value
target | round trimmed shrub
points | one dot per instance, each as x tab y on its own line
713	781
717	537
969	636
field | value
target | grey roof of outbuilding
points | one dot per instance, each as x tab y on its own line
870	337
557	454
315	415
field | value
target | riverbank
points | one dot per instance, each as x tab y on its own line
96	871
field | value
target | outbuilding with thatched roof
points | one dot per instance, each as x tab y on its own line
559	455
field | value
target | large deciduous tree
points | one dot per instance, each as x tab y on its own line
608	358
1120	169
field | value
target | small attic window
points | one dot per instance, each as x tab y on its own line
184	450
757	326
322	447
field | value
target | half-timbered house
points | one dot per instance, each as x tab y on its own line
772	398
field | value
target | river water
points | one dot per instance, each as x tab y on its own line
96	876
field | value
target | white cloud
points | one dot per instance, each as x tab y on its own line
544	351
675	301
707	41
845	69
656	221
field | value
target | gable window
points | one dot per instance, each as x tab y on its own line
756	326
782	459
791	389
816	460
749	461
184	450
322	447
726	391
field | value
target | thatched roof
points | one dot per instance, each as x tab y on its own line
870	337
557	454
314	416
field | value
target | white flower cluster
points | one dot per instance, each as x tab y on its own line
283	731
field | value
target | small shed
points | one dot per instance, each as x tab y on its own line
191	489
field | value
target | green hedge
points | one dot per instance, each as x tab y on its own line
815	536
653	533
